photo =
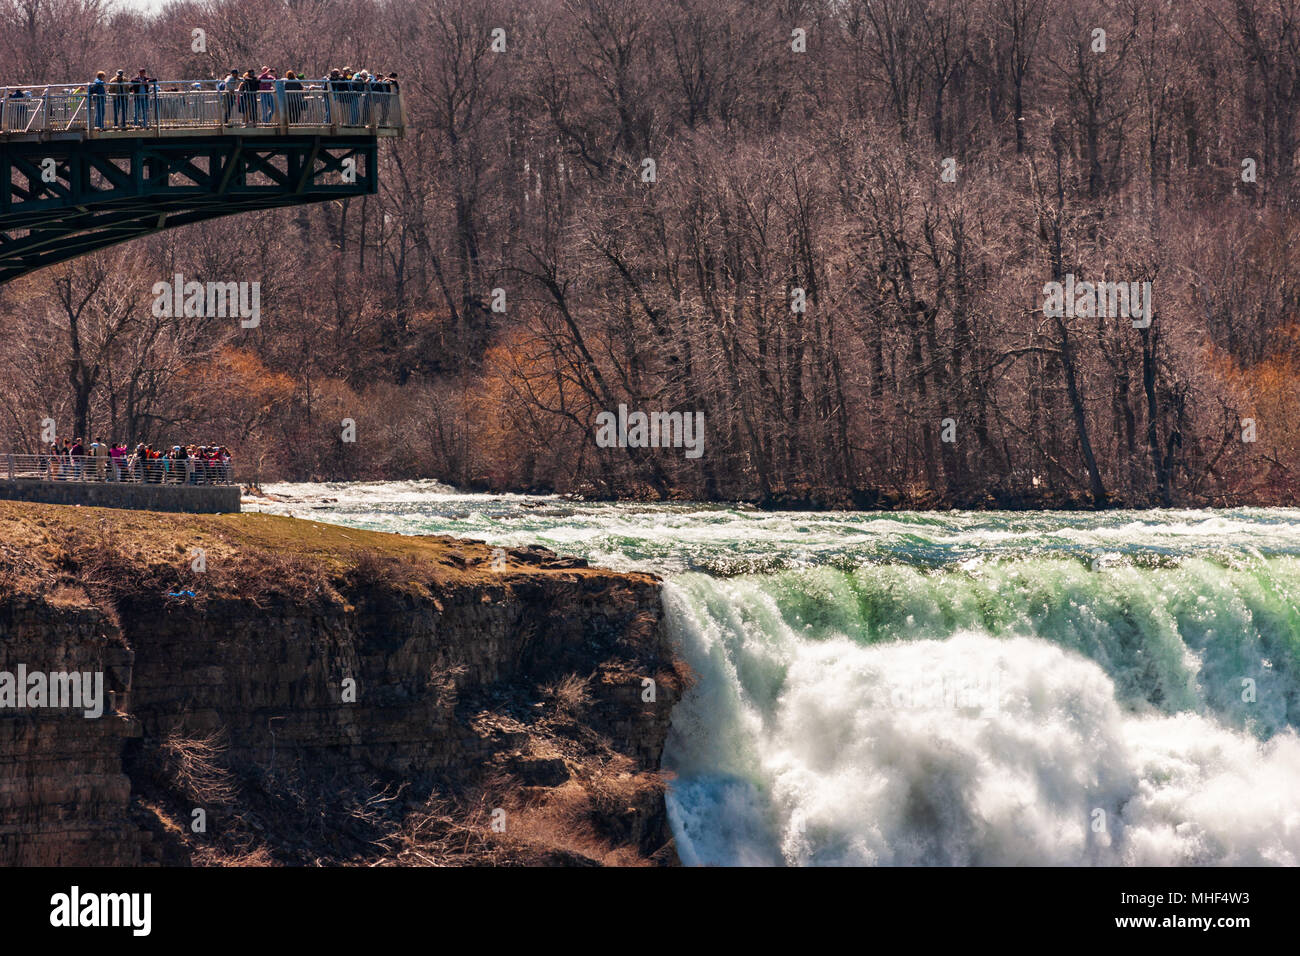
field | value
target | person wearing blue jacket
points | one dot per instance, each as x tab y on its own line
98	98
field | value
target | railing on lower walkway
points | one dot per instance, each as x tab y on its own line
200	106
128	469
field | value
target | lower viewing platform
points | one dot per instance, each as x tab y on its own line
182	485
190	499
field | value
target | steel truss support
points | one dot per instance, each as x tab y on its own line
63	198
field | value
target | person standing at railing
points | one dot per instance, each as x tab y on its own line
227	88
379	98
360	97
293	96
140	88
333	86
119	88
370	86
116	461
248	98
18	109
98	99
348	97
388	87
77	456
277	85
266	85
361	83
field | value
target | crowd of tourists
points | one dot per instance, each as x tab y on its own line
356	98
74	460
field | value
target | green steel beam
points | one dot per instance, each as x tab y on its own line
108	191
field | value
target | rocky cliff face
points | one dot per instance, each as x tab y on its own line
287	692
63	793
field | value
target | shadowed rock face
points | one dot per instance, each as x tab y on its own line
326	696
63	793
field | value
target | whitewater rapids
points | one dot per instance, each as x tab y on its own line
812	744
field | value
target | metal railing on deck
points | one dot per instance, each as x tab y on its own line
93	468
199	105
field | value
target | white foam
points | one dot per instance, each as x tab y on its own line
820	752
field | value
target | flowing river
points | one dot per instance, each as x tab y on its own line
957	688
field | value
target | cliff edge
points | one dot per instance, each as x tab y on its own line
284	692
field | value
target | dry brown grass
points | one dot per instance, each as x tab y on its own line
209	855
252	556
566	824
570	696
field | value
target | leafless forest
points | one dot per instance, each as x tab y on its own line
795	146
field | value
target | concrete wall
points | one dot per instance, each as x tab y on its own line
193	499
